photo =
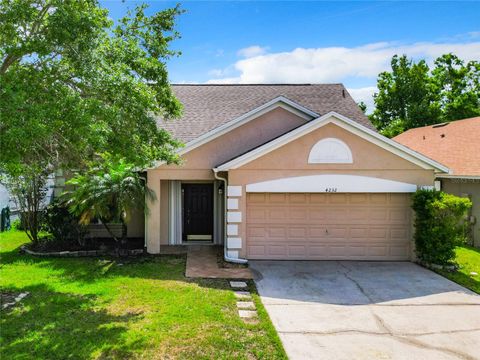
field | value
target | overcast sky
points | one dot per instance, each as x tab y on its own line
312	42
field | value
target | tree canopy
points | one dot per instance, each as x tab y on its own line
73	84
413	95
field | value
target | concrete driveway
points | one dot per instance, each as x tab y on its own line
368	310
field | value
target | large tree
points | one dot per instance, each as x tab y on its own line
412	95
74	85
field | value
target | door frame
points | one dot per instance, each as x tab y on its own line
175	218
214	208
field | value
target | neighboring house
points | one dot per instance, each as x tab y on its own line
457	145
284	172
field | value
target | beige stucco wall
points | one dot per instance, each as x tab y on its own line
237	141
292	160
470	188
198	163
288	161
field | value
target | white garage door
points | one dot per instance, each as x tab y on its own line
299	226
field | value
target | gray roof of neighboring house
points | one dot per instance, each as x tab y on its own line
209	106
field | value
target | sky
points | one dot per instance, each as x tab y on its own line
312	41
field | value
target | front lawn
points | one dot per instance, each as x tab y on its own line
468	259
86	308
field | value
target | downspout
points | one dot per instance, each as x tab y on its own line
225	252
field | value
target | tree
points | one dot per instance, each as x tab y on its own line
74	85
108	191
362	106
404	99
457	87
29	190
412	95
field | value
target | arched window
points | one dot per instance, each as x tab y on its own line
330	151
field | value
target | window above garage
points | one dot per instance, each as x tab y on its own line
330	151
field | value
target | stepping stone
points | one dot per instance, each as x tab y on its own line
242	294
238	284
246	305
247	314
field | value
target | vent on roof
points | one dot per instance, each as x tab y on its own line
440	125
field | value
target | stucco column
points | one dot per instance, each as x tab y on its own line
152	220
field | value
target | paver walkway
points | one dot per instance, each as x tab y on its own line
202	263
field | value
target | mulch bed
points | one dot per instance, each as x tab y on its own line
107	244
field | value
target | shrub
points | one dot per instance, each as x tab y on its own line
439	225
16	225
63	225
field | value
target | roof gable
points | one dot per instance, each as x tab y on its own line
278	102
342	122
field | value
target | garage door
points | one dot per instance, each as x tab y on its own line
328	226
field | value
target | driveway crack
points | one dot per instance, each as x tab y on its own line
385	330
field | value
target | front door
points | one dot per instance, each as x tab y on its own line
197	212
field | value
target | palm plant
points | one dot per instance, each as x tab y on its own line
108	192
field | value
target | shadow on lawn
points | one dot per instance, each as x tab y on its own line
92	269
52	325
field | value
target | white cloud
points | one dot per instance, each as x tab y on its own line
252	51
335	64
227	80
364	94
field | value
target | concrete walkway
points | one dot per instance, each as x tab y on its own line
368	310
202	262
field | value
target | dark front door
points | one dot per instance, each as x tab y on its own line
197	212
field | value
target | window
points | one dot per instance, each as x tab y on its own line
330	151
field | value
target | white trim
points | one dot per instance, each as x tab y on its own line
437	184
330	151
232	254
232	204
234	216
453	176
175	213
232	229
331	183
234	190
234	243
345	123
277	102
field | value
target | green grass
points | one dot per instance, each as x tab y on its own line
86	308
468	259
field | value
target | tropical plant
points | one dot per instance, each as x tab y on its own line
109	192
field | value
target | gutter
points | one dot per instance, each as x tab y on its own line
225	252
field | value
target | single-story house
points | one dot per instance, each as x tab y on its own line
284	172
457	145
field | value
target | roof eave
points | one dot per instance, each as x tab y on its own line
279	101
346	123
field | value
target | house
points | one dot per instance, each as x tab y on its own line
284	172
457	145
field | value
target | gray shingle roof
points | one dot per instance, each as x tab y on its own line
209	106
